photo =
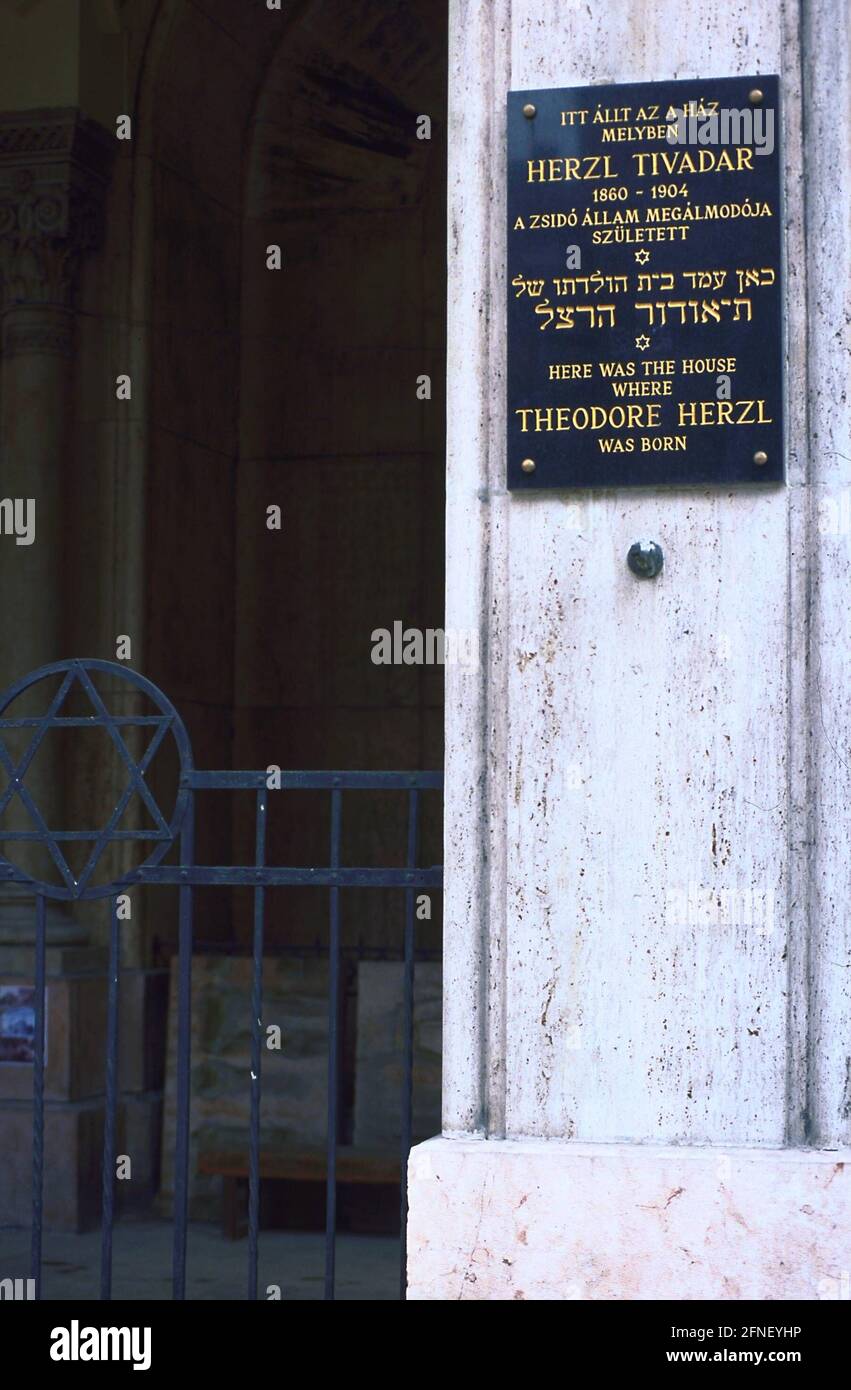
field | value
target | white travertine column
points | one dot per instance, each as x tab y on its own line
625	741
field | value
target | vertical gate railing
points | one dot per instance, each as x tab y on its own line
77	676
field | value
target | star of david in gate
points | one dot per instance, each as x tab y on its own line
76	675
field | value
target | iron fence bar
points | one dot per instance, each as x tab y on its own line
408	1041
38	1093
184	1011
187	875
132	767
17	773
108	1170
201	875
43	834
256	1054
333	1055
121	805
86	835
77	721
315	950
274	876
316	781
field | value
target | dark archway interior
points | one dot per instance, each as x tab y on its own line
297	388
306	391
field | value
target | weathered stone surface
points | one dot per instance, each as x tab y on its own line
380	1045
537	1219
295	998
18	960
625	742
73	1150
626	748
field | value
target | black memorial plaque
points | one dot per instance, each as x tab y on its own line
644	285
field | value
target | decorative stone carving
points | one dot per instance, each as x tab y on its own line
54	168
52	337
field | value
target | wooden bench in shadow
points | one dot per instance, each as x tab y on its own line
293	1164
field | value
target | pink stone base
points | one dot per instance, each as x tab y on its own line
541	1219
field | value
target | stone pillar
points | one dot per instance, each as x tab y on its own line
53	171
635	1108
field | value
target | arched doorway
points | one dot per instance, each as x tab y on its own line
300	389
186	388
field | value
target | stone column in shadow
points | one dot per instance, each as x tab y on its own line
54	168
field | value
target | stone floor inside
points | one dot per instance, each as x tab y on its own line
367	1266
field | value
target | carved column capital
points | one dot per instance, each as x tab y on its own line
54	169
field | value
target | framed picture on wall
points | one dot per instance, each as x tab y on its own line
17	1024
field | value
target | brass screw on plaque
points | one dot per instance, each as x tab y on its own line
755	97
760	458
529	111
528	465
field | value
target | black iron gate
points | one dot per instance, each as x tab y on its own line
76	676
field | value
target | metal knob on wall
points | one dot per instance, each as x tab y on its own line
645	559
